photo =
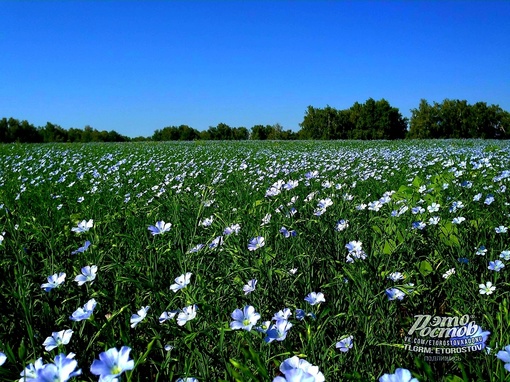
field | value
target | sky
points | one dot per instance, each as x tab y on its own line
134	66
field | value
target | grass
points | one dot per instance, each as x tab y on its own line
128	187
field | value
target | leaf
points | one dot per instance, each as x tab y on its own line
425	268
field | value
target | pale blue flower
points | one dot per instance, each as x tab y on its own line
196	248
341	225
244	319
181	282
419	225
401	375
501	229
505	255
286	233
256	243
85	312
434	220
296	369
3	358
81	249
278	331
504	355
61	370
394	293
458	220
315	298
434	207
250	286
489	199
235	228
160	227
496	265
396	276
54	281
207	221
167	316
188	313
282	314
30	371
186	380
216	242
88	273
57	338
112	363
481	251
139	316
301	314
83	226
344	345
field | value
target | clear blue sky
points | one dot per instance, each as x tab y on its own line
135	66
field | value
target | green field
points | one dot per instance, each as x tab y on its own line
388	232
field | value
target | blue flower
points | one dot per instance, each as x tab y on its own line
181	282
282	314
315	298
401	375
160	227
139	317
61	370
250	286
301	314
504	355
505	255
244	319
57	338
278	331
167	316
112	363
188	313
345	344
3	358
216	242
85	312
286	233
479	337
394	293
296	369
54	281
83	226
256	243
81	249
496	265
88	273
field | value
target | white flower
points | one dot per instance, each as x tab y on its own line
83	226
181	282
188	313
448	273
137	318
487	288
434	207
250	286
501	229
57	338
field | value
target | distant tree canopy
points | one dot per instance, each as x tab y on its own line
371	120
13	130
458	119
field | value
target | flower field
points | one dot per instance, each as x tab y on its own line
255	261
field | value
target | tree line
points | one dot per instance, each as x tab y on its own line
370	120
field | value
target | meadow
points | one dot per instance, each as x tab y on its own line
220	261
